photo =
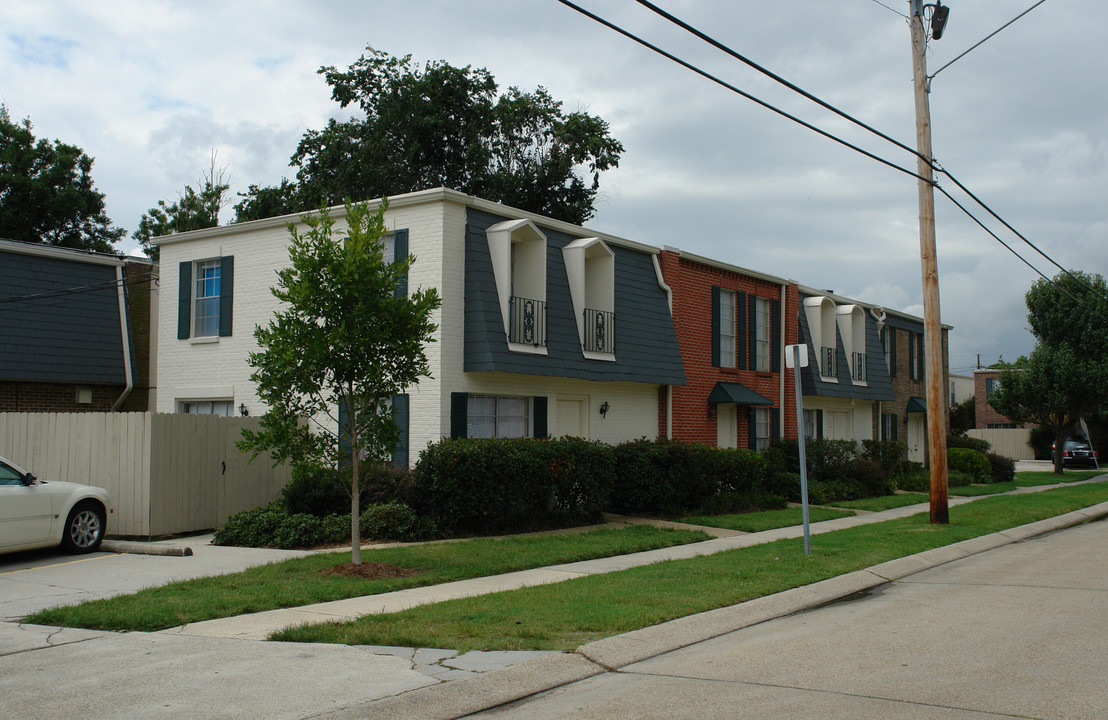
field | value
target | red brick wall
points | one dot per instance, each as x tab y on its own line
55	397
692	283
984	413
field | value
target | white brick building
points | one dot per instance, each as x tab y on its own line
545	328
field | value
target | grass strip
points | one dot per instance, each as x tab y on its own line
300	581
1035	478
568	614
885	502
765	520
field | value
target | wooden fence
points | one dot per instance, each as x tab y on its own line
1009	442
167	473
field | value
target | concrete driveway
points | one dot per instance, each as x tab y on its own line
35	580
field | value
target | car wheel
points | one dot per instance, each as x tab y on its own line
84	528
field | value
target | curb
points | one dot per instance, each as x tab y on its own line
459	698
141	548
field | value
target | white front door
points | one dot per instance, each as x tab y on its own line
916	437
727	426
570	418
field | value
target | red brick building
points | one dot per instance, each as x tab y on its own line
732	326
985	415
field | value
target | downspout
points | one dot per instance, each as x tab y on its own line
781	370
878	314
124	333
669	301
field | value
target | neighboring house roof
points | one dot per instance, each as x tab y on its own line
646	343
60	316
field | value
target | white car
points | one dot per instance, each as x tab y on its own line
37	514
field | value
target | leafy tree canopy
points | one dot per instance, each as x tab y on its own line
343	336
46	192
441	125
193	211
1066	376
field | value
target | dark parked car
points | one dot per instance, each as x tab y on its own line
1077	452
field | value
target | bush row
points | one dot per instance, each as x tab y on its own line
273	525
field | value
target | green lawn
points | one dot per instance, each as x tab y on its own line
300	581
565	615
885	502
765	520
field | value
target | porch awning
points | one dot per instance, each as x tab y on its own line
916	404
733	392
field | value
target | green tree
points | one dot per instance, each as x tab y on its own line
46	192
343	337
1066	376
194	210
963	416
441	125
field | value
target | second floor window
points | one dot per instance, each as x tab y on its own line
726	328
206	313
763	320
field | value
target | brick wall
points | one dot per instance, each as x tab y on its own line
692	283
984	413
55	397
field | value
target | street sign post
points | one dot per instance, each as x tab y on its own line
796	357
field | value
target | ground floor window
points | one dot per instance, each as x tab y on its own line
493	416
888	427
1001	426
811	424
763	428
223	408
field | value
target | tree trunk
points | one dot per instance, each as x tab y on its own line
1059	446
355	491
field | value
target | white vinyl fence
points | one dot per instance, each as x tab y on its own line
1009	442
166	473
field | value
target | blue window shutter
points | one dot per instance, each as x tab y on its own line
400	253
751	430
752	313
895	426
459	412
919	354
226	294
740	330
775	337
819	424
892	350
715	326
774	433
184	302
538	407
400	415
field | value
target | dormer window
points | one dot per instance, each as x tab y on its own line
518	252
820	313
590	269
851	321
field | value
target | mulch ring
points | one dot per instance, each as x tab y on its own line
371	570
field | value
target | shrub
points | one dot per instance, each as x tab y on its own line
828	460
319	491
486	486
957	478
867	478
394	521
272	526
963	441
726	503
970	462
891	455
916	479
1041	440
1003	468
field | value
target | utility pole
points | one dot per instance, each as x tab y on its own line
932	331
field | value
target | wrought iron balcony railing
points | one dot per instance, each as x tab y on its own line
827	362
859	366
527	321
600	331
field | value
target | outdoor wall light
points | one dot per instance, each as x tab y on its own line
242	410
604	409
711	411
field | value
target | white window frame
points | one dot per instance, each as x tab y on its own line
205	294
224	407
727	331
763	321
498	416
763	428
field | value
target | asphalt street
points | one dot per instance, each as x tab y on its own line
1015	632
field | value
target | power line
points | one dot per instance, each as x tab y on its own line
729	51
982	42
893	10
80	289
732	88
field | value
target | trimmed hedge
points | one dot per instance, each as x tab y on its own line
471	486
273	526
1003	468
969	462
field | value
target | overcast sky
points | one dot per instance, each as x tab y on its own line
150	88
